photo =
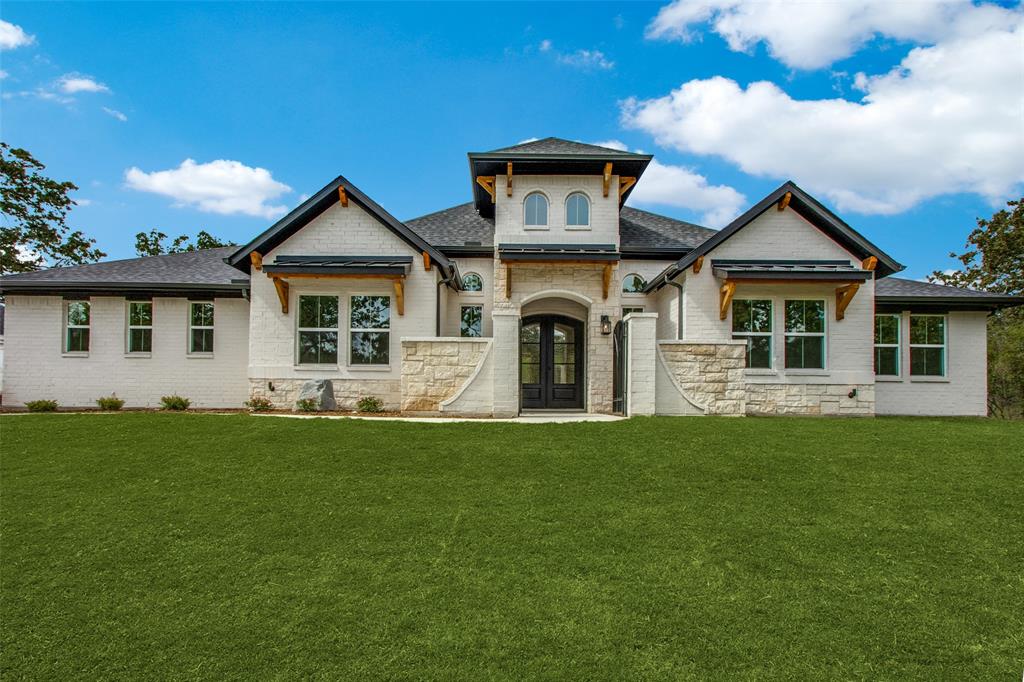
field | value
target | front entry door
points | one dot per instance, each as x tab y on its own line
551	362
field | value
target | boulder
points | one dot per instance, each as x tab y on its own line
320	390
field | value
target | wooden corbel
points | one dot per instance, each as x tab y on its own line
607	177
698	264
844	295
487	182
400	295
426	261
343	197
624	185
508	185
606	281
282	293
725	298
257	260
784	201
870	263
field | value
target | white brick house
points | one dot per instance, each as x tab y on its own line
544	292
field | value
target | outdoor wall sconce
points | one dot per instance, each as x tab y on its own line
606	325
852	394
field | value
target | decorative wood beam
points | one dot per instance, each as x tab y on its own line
257	260
844	295
282	293
400	296
784	201
487	182
508	280
508	185
870	263
342	197
698	264
606	281
607	177
426	261
725	298
625	184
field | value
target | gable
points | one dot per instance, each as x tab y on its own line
341	230
781	235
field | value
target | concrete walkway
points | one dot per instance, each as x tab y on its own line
550	418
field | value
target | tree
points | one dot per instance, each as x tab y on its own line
34	233
152	244
994	261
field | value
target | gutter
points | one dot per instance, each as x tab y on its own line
679	314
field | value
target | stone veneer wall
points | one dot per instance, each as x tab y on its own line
434	370
708	374
346	391
833	399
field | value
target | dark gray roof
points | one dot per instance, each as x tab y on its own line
455	226
563	252
907	289
556	145
341	265
642	229
789	269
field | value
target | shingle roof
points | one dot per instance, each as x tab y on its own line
643	229
455	226
896	287
556	145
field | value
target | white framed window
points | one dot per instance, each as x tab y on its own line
928	345
200	327
76	326
472	282
140	327
577	210
633	284
535	210
752	322
471	321
887	345
805	334
369	330
318	330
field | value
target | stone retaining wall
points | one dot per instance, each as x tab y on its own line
434	370
709	375
347	392
834	399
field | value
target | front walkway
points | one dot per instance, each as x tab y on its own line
549	418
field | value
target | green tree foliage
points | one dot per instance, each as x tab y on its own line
152	244
994	261
34	233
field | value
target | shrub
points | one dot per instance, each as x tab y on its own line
41	405
370	404
110	403
307	405
175	402
259	404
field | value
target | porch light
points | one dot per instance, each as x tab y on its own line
606	325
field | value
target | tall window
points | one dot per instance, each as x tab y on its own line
536	210
472	282
140	326
633	284
369	330
927	345
318	330
805	334
752	321
472	321
76	323
887	345
577	210
200	327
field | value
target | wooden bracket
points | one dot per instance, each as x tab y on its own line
282	293
508	185
725	298
870	263
606	281
698	264
784	201
426	261
624	185
487	182
508	280
400	295
257	260
607	177
342	197
844	295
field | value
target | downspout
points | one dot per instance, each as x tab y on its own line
437	302
679	315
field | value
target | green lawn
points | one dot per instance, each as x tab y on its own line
207	546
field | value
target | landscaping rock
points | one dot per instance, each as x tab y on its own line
322	391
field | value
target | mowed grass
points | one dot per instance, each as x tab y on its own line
235	547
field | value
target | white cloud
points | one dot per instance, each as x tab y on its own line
72	83
808	35
529	139
225	187
13	36
947	119
545	45
116	114
587	59
3	74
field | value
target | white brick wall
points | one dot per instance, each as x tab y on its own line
641	364
604	211
453	301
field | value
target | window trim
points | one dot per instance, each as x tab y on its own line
387	330
467	292
897	346
299	329
65	350
189	347
590	204
630	309
462	309
823	334
770	334
129	327
944	346
546	225
622	285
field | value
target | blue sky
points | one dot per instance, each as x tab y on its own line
393	96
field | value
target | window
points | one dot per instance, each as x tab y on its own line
369	330
633	284
752	322
472	282
140	326
536	210
805	334
200	327
577	210
472	321
887	345
76	323
626	310
318	330
927	345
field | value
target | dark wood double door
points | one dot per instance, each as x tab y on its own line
551	362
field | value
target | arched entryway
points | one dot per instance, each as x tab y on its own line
551	362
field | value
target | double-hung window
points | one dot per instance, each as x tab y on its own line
805	334
200	329
472	321
369	330
887	345
318	330
76	325
752	322
928	345
140	326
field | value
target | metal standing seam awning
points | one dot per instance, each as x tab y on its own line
394	268
605	255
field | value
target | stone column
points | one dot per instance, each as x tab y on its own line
641	363
506	363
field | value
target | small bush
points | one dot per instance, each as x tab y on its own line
307	405
259	404
41	405
370	404
110	403
175	403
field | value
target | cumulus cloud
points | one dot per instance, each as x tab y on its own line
116	114
947	119
224	187
587	59
72	83
13	36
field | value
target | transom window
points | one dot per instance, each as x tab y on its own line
633	284
472	321
318	330
577	210
887	345
200	327
140	326
535	210
76	322
805	334
369	330
626	310
928	345
752	322
472	282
